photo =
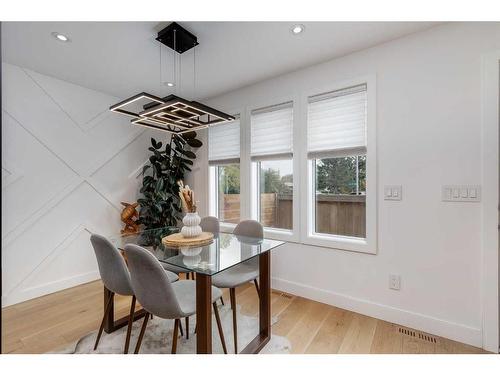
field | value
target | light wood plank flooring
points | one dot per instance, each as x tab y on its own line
56	320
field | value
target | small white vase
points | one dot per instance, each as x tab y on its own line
191	226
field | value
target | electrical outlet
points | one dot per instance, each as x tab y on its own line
394	282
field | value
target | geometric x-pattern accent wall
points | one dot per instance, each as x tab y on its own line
67	163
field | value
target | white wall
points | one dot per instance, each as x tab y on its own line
67	162
428	135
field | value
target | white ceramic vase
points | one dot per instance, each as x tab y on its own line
191	226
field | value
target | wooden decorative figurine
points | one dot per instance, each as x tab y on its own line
129	216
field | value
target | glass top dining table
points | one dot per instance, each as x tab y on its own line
225	251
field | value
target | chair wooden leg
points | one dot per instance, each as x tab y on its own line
187	327
219	327
176	333
257	287
180	328
188	275
222	300
129	328
106	310
232	294
141	335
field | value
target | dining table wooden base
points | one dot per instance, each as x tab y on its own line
204	311
256	345
203	314
110	324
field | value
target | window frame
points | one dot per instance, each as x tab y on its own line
330	236
213	171
310	237
256	201
212	197
292	235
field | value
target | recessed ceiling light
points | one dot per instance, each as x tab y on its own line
297	29
60	37
170	84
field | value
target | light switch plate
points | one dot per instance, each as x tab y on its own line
393	192
461	193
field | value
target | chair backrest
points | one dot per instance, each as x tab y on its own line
112	266
249	228
210	224
151	284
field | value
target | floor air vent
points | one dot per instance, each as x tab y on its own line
277	292
418	335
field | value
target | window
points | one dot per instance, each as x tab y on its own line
318	189
224	162
337	145
228	193
276	193
340	196
272	156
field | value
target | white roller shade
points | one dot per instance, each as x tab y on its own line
272	131
336	123
224	143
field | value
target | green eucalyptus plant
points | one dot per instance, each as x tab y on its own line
160	206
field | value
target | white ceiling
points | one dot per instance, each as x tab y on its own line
123	58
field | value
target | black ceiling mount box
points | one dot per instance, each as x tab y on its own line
178	38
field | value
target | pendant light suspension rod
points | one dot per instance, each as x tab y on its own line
175	60
180	73
194	71
162	69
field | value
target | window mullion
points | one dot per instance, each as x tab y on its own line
216	183
357	175
245	168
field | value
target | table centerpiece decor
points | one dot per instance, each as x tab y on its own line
191	220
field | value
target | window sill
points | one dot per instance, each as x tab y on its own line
341	243
333	242
271	233
227	227
280	234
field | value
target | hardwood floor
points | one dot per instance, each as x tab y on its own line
54	321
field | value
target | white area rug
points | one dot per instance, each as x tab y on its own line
158	337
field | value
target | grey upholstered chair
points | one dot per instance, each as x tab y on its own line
249	228
242	273
158	296
210	224
116	278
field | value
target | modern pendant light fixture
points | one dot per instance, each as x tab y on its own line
172	113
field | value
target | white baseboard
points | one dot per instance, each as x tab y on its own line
48	288
429	324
